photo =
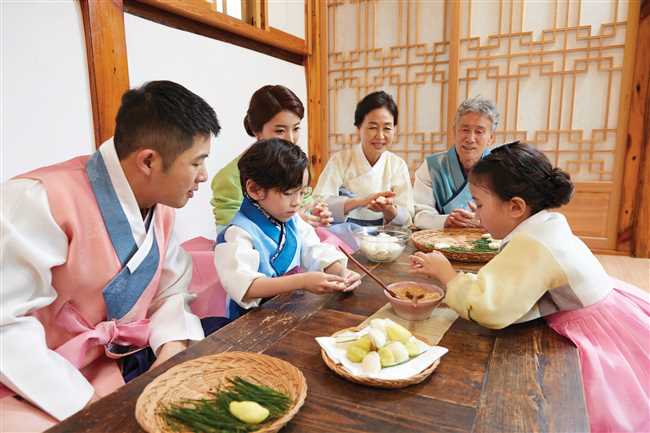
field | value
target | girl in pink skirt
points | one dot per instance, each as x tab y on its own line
544	270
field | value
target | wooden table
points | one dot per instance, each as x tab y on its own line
521	379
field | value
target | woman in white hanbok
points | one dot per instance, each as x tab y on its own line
367	184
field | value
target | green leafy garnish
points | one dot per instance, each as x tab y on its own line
481	245
212	415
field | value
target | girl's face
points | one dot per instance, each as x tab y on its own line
498	217
284	125
281	205
377	131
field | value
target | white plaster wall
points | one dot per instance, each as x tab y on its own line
45	108
225	76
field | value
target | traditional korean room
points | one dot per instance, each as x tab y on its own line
325	216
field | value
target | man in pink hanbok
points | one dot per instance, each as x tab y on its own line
92	277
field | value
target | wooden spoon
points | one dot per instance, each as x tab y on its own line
367	272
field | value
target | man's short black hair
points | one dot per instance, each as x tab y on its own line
163	116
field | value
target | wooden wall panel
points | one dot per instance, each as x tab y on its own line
107	62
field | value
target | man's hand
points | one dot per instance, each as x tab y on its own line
168	350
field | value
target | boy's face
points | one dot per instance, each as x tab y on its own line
281	205
496	215
176	185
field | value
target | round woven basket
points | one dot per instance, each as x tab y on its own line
196	378
425	239
374	382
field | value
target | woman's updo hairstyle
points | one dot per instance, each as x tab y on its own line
268	101
519	170
371	102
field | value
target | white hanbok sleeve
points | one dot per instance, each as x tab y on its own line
170	314
401	186
316	255
32	243
328	185
237	263
426	214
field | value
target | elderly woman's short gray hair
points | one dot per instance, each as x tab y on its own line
480	105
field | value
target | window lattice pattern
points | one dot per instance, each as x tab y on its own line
554	68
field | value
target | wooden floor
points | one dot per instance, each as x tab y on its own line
629	269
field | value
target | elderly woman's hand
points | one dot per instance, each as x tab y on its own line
461	218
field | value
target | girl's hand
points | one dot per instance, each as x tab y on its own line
352	280
322	282
434	264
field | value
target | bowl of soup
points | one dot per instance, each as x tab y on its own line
414	301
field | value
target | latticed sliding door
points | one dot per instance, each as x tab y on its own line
558	71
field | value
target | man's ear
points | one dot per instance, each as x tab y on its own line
148	160
518	207
255	191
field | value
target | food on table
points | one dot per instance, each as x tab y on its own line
378	337
381	199
239	406
379	324
397	332
386	356
251	412
384	344
414	347
412	293
381	247
399	351
371	363
355	353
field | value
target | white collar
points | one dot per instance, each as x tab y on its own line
362	157
526	224
124	192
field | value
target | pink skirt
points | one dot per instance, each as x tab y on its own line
613	341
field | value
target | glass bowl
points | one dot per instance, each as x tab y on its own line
381	244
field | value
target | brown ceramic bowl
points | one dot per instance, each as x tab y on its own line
406	308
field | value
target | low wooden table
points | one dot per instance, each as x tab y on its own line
522	379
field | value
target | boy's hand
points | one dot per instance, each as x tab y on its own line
434	264
322	282
352	280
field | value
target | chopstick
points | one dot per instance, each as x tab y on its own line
367	272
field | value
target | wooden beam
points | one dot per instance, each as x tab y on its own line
634	216
316	72
181	22
201	12
454	66
108	70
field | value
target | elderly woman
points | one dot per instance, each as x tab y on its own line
367	184
441	192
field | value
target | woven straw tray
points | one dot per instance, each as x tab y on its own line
374	382
425	239
196	378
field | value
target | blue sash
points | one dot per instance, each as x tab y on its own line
449	181
124	290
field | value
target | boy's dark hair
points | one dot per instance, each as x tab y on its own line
268	101
163	116
371	102
520	170
273	163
